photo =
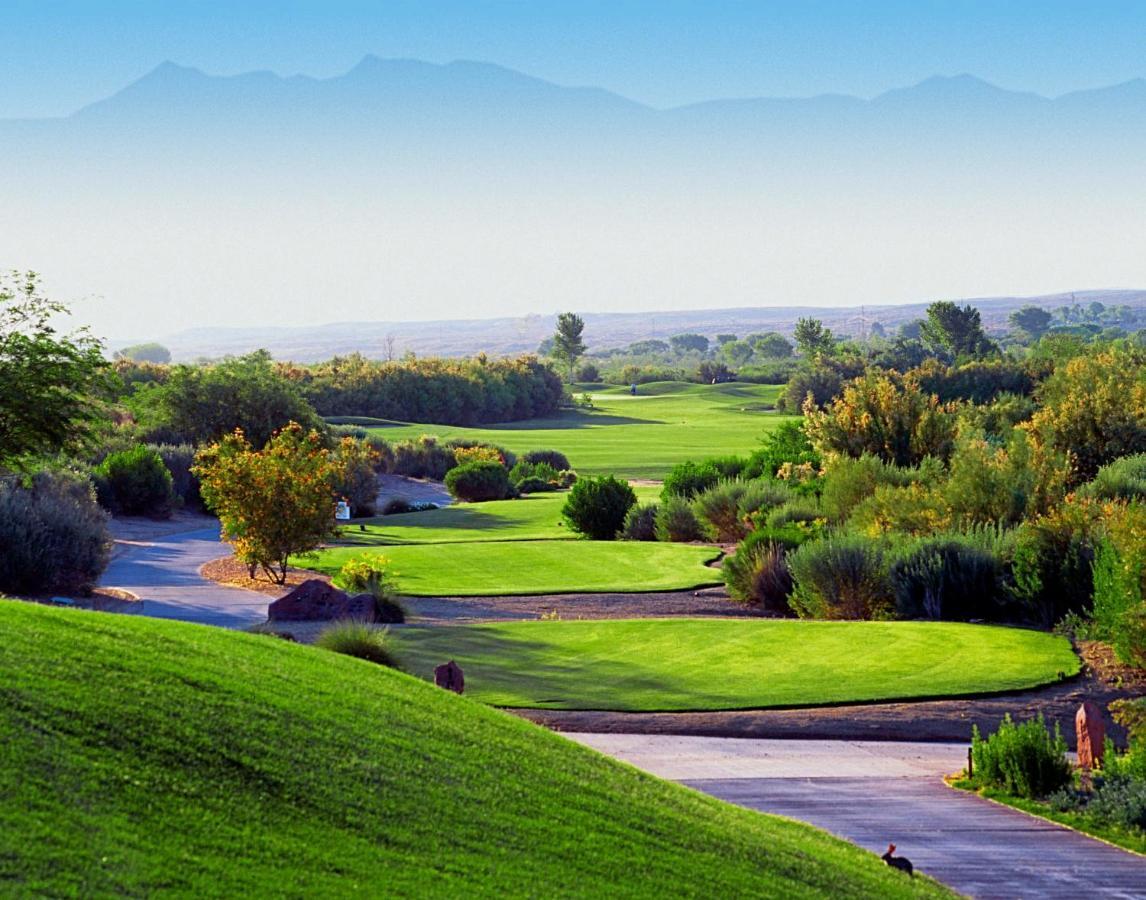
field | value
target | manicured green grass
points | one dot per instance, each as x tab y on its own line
536	517
145	757
1130	839
692	664
536	567
636	437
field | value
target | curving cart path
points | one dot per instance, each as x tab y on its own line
873	793
164	573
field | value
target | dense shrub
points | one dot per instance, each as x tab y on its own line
1123	479
641	523
597	507
759	498
840	577
1053	562
997	418
757	573
786	443
1024	760
423	458
1120	582
135	482
533	478
820	384
978	381
470	450
949	577
53	535
1120	801
358	639
179	458
479	481
794	512
677	521
441	391
688	479
849	481
719	507
885	415
371	574
397	506
554	458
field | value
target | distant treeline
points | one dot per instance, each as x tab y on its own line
440	391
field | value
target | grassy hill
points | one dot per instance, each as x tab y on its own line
148	757
702	664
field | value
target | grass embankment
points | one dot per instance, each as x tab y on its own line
145	757
636	437
514	547
692	664
1127	838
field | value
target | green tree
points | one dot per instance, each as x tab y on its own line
685	343
957	329
273	503
812	338
204	403
771	345
1032	320
49	382
722	339
568	346
151	352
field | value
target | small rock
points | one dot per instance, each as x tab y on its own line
449	676
1091	735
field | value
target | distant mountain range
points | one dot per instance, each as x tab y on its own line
603	331
403	189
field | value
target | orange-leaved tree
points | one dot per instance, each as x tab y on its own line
273	502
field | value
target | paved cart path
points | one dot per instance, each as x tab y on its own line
875	793
164	573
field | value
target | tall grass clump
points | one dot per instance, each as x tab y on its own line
758	573
359	639
53	535
841	577
1025	760
719	508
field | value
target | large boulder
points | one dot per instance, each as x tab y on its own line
1091	731
320	601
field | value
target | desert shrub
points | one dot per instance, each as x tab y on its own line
678	522
135	482
949	577
597	507
759	498
355	475
1120	582
787	443
688	479
1120	801
819	383
358	639
912	510
979	381
758	573
371	574
477	482
1025	759
1053	562
849	481
794	512
997	418
53	535
719	507
423	458
886	415
179	459
533	478
840	577
588	374
554	458
1123	479
340	431
641	523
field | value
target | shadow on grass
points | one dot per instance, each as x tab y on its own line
506	668
459	518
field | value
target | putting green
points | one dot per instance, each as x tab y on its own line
692	664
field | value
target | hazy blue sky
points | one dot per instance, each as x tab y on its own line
60	54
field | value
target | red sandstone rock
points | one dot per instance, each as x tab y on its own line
318	601
1091	735
449	676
